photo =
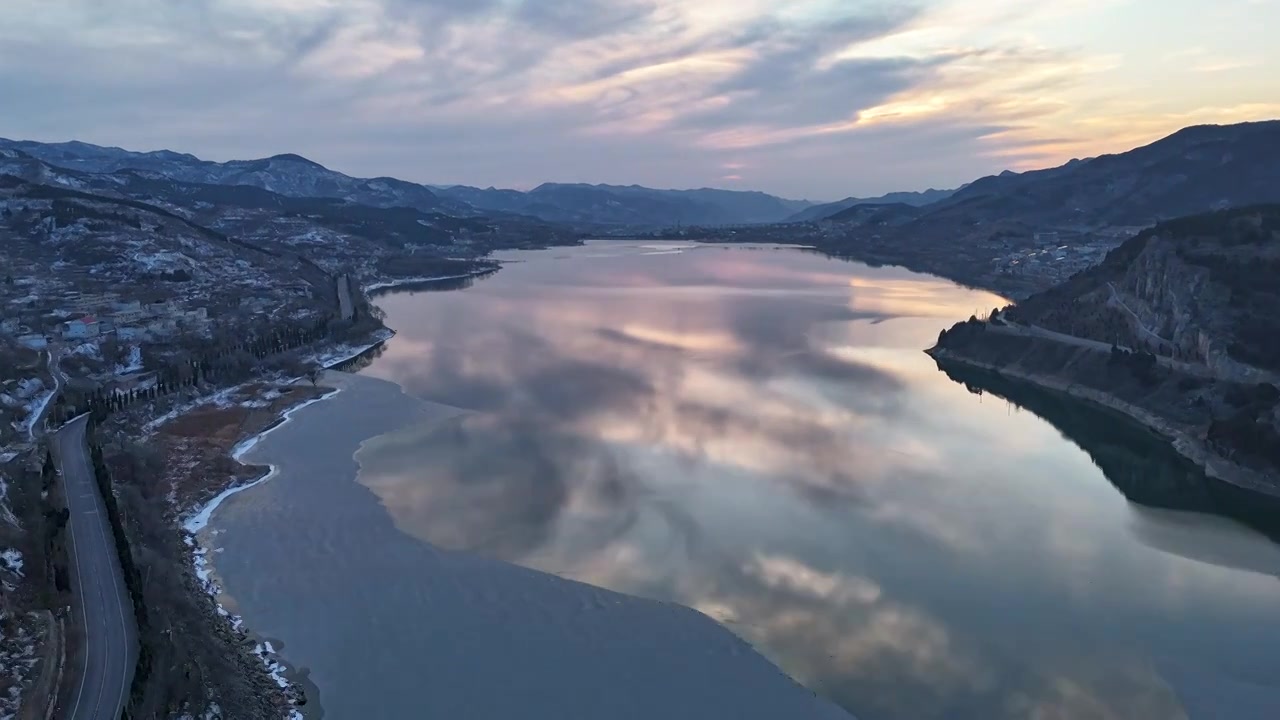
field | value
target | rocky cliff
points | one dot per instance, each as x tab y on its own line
1179	328
1202	290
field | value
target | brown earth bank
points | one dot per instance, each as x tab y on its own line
201	665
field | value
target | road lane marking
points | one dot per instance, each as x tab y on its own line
105	645
124	627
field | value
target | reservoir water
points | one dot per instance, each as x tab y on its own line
755	433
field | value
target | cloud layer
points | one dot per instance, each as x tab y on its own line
814	98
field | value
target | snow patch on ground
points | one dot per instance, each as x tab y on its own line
35	409
274	668
265	399
134	363
166	261
263	650
247	444
313	237
6	514
89	350
200	520
11	559
213	712
220	398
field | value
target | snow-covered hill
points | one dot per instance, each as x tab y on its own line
295	176
289	175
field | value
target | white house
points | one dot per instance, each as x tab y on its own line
128	313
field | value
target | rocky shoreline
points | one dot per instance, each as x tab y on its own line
173	461
261	651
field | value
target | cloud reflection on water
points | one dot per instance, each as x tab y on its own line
757	435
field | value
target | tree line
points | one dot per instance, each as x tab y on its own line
226	363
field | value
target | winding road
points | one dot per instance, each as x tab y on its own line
1011	328
103	609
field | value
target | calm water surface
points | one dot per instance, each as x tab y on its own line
756	433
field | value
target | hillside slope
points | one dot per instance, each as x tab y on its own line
829	210
1020	233
1203	289
1197	169
333	232
1178	327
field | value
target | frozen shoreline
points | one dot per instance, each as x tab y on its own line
335	357
398	282
569	649
200	520
195	524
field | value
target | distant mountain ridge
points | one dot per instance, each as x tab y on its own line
829	210
631	205
295	176
1197	169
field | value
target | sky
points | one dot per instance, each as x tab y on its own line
808	99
